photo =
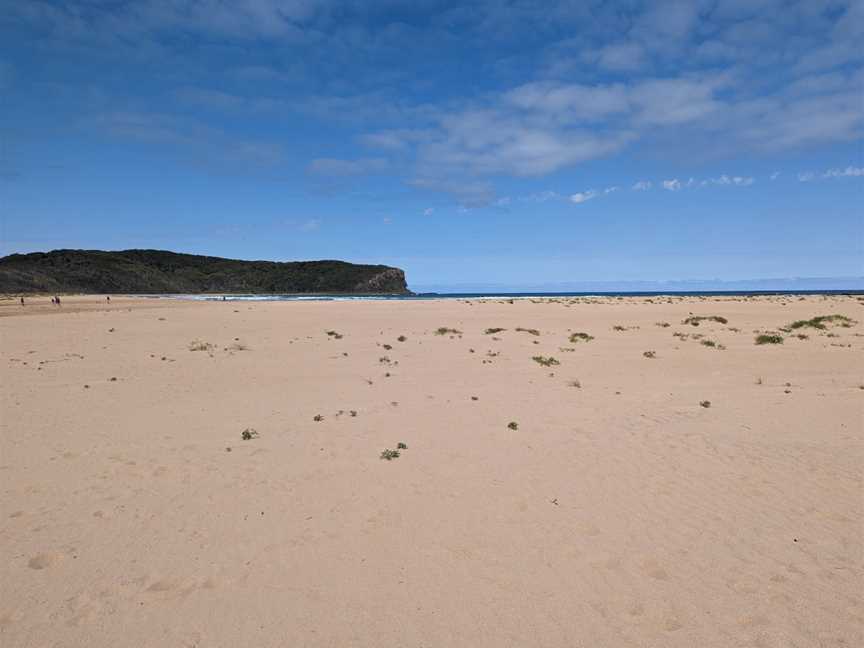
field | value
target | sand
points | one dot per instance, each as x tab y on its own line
620	512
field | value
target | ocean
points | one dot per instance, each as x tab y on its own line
506	295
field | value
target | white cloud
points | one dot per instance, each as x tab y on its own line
569	102
848	172
642	185
672	185
428	211
806	176
583	196
775	175
667	102
609	190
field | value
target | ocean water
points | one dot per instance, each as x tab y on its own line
505	295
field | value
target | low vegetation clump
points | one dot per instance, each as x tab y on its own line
575	383
513	425
248	434
712	344
317	418
335	335
821	321
584	337
769	338
695	320
493	331
546	362
662	324
388	454
401	338
649	354
443	330
528	330
199	345
705	403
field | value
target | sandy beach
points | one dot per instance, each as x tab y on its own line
652	483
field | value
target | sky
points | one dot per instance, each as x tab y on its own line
505	143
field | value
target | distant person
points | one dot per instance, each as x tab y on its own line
22	301
108	298
52	300
57	300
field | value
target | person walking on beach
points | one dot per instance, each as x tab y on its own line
22	301
108	298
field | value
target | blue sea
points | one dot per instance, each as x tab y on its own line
506	295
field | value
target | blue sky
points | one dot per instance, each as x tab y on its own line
507	143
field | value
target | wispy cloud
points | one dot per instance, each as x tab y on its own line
583	196
542	196
338	167
737	181
672	185
848	172
641	185
310	225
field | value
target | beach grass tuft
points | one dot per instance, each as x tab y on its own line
821	321
695	320
528	330
545	361
769	338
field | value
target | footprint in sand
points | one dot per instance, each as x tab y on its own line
671	624
163	585
654	570
45	560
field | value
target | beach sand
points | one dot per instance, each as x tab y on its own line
619	512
